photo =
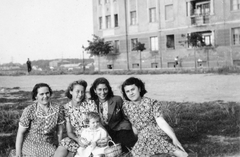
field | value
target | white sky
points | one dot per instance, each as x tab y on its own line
44	29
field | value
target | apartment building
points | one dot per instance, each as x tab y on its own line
163	26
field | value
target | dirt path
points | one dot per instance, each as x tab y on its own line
169	87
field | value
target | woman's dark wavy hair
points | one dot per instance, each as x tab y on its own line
133	81
71	86
37	86
100	80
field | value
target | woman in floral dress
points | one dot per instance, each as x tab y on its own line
75	114
146	116
38	124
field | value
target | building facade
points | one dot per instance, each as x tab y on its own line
163	26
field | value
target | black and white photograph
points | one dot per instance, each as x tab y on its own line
119	78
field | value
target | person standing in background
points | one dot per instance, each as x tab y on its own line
176	61
29	66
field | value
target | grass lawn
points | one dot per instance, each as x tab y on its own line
207	129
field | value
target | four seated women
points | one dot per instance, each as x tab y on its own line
147	134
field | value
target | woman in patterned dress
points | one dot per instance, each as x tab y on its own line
112	116
75	114
146	116
38	124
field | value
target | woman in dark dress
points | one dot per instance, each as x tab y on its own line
109	107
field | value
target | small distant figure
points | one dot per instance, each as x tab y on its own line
199	62
176	59
29	66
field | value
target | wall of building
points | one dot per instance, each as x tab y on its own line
221	21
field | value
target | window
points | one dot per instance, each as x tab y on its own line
100	22
236	36
154	43
133	18
154	65
116	46
116	20
169	12
235	4
207	39
152	14
134	43
170	41
100	2
107	1
204	38
108	21
202	8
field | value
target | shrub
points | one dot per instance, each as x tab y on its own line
228	69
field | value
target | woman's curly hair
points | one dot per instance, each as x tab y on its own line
71	86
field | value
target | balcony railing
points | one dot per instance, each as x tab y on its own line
200	20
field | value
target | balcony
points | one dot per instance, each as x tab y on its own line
200	20
200	11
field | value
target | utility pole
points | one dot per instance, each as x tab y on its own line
126	29
83	59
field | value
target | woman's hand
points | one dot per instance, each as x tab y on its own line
93	144
83	142
103	142
135	131
18	155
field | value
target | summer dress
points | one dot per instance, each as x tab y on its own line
39	138
76	115
151	139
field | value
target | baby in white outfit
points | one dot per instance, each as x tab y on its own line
92	135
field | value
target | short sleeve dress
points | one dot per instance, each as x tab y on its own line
76	116
151	139
39	139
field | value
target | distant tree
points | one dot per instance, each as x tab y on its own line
196	40
139	47
98	47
